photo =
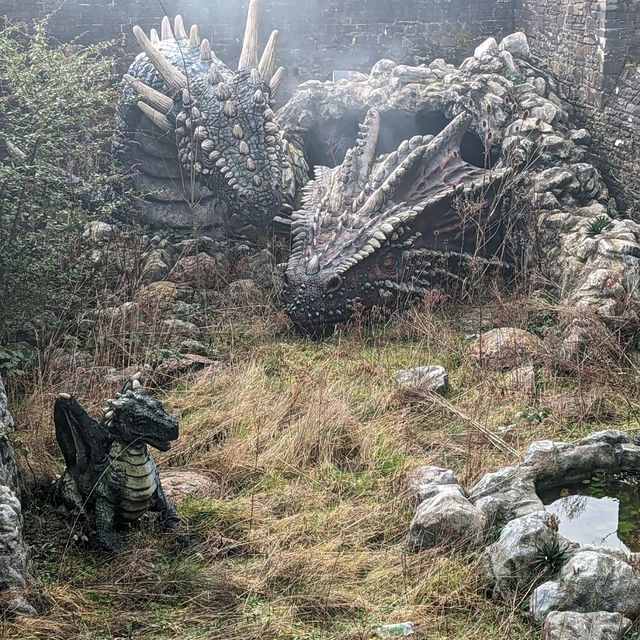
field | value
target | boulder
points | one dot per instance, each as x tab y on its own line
516	44
515	561
447	519
506	494
506	348
423	482
594	579
201	271
521	380
568	625
180	365
179	484
423	379
488	48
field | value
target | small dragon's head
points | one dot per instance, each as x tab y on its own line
376	231
224	127
135	416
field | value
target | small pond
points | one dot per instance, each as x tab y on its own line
603	510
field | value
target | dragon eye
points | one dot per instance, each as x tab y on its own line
389	261
334	284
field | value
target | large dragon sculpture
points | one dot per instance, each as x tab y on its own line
203	137
453	168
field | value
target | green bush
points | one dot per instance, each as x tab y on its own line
56	103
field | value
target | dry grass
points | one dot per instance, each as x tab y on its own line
310	443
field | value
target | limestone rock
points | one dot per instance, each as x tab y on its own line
594	579
516	44
179	484
506	494
201	271
506	348
567	625
447	518
488	47
14	560
423	482
513	561
180	328
429	378
521	380
183	364
99	233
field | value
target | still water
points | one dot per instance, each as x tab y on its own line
603	510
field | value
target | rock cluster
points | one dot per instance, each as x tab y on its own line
577	591
14	563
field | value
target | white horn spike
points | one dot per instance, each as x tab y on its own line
249	56
276	81
178	28
156	99
205	51
154	37
159	119
174	78
194	37
268	60
166	32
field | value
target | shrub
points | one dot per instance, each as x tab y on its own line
56	172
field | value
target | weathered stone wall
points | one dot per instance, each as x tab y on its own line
592	46
13	550
317	36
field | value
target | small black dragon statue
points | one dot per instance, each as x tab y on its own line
110	474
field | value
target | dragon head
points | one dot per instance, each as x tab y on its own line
376	231
134	416
221	120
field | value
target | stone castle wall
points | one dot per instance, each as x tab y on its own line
316	36
593	46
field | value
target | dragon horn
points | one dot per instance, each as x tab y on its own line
249	55
276	81
205	51
166	33
267	62
174	78
194	37
178	28
159	119
156	99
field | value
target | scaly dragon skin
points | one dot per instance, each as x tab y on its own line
378	231
203	138
110	473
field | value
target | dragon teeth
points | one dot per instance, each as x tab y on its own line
271	127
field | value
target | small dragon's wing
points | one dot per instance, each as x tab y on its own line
80	437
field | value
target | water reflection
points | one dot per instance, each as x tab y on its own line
603	510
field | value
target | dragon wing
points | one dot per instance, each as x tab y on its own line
80	437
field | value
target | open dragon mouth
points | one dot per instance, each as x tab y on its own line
157	443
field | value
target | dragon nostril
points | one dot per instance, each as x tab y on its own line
334	284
